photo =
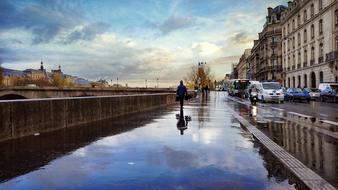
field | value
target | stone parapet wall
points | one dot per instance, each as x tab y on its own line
19	118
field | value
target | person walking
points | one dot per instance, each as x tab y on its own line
181	92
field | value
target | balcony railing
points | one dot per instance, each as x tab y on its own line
305	64
312	62
320	59
332	56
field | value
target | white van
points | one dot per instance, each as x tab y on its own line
323	86
270	92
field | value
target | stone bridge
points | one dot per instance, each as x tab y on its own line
9	93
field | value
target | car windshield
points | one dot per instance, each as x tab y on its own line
334	87
314	90
272	86
298	90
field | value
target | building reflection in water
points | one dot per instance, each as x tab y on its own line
316	150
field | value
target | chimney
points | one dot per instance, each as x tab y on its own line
269	11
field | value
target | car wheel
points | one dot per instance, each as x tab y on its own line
282	102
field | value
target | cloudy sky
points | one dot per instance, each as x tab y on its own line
133	40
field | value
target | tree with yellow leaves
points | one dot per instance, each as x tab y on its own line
199	77
57	80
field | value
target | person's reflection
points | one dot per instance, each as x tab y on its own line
182	123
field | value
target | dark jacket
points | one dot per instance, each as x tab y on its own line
181	90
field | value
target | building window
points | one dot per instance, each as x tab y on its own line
312	10
305	57
320	4
288	28
321	26
312	53
321	77
299	81
299	58
293	42
298	20
299	39
312	31
293	25
337	43
305	36
305	15
336	13
321	50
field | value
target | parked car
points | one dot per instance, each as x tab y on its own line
314	93
329	95
293	94
270	92
251	85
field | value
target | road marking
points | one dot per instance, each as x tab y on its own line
303	173
279	109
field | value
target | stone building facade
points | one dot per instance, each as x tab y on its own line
242	66
265	61
310	42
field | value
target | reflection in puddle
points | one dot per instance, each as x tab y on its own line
316	150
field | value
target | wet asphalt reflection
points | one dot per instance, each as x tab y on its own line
307	139
201	147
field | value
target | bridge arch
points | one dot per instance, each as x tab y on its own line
12	97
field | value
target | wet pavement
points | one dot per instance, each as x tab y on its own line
311	142
202	148
320	110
